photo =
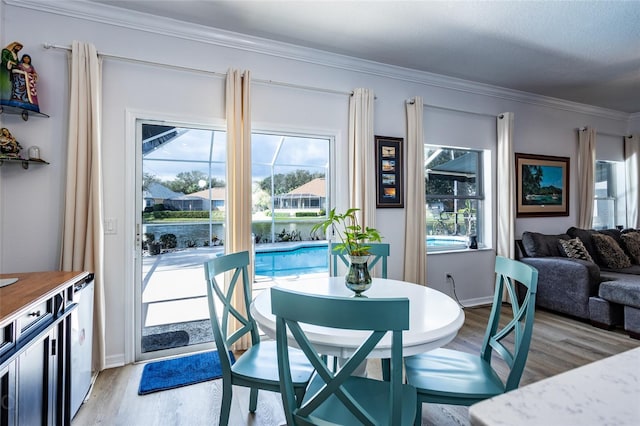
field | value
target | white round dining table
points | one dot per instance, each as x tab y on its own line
435	318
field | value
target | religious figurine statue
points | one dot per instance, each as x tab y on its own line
23	85
9	146
18	79
9	61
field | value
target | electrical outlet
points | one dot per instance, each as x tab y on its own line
449	276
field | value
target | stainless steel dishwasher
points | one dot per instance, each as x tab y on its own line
81	342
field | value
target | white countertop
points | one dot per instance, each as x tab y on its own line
605	392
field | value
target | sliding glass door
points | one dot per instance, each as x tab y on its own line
181	223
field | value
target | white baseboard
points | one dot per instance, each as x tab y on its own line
469	303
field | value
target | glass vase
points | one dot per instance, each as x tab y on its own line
358	278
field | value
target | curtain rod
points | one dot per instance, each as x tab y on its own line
217	74
483	114
582	129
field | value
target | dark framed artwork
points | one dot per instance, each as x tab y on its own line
389	172
542	185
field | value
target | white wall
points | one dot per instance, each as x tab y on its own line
634	124
32	200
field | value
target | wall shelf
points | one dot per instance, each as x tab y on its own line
8	109
25	163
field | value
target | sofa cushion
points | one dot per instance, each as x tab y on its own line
585	237
619	274
631	242
616	234
542	245
624	231
574	248
624	292
609	251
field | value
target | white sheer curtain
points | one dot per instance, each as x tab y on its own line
506	187
631	163
586	176
415	249
82	235
238	194
362	176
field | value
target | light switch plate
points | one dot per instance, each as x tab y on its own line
110	226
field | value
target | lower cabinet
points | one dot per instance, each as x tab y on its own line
8	395
29	385
35	354
36	378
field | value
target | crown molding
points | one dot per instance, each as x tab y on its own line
112	15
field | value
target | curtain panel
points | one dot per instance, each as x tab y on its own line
506	187
586	172
82	235
238	189
632	162
415	249
362	175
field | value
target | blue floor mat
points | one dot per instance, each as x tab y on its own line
172	373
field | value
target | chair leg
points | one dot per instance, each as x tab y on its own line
386	369
418	421
225	409
300	395
325	359
253	400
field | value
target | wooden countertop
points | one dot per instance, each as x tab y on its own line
32	287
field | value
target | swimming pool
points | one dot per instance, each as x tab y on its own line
292	261
446	241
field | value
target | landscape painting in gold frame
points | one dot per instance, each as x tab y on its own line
542	185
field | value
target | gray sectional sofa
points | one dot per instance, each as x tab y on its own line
600	282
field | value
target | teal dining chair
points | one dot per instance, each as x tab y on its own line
338	397
379	253
257	367
445	376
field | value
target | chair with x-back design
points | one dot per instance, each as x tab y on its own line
257	367
445	376
339	397
379	253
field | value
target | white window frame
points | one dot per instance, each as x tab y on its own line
480	198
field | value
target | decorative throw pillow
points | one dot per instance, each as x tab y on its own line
585	237
631	242
574	249
611	254
541	245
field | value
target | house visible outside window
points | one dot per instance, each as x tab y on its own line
290	174
454	197
184	184
608	195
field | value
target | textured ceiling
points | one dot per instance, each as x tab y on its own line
581	51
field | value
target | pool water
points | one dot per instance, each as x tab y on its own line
297	261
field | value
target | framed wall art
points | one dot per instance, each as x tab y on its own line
542	185
389	172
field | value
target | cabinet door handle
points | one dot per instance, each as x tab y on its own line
34	314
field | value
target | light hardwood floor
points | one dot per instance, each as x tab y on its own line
559	344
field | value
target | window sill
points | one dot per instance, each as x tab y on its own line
452	251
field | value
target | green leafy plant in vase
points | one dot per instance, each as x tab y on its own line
354	241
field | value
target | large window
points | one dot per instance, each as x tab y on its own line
606	200
290	186
184	185
182	222
454	197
